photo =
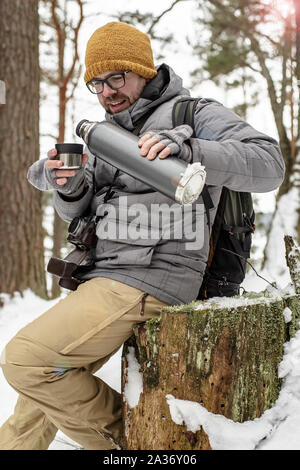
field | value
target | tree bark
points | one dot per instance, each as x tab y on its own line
225	358
292	256
21	240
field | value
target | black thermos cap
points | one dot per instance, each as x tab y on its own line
69	148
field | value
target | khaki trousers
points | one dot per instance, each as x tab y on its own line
51	362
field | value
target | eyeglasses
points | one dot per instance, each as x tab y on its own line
115	82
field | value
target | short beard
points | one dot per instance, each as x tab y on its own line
106	102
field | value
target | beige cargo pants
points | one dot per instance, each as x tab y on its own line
51	362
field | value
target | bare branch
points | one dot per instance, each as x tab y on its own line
159	17
75	42
75	84
285	55
54	137
145	18
45	74
61	38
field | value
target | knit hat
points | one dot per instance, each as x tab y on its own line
119	46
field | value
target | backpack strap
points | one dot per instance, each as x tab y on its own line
247	207
218	225
207	201
237	230
183	113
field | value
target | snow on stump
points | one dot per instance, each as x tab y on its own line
222	354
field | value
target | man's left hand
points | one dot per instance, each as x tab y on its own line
166	142
151	147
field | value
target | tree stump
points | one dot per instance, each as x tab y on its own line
222	353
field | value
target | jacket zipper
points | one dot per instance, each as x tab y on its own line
143	304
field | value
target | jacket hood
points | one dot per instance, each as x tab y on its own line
163	87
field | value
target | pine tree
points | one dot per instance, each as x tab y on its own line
21	240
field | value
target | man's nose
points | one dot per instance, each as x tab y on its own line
107	91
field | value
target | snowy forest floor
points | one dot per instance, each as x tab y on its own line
278	428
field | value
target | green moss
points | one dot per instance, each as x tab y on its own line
219	332
148	355
155	321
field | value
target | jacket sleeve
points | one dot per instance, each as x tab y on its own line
67	206
234	154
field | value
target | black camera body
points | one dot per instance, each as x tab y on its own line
82	234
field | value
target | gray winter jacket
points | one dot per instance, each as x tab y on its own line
145	239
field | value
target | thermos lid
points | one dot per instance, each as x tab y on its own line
191	184
69	148
79	126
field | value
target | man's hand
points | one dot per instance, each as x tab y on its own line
151	147
166	142
62	175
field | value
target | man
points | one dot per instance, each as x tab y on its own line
51	361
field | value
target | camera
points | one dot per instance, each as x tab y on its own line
82	232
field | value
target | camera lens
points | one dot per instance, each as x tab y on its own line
76	226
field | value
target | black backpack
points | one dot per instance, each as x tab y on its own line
231	234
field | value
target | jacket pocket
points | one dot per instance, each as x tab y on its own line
120	254
125	244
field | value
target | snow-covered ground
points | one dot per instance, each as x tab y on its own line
278	428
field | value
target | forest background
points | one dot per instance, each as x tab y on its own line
244	53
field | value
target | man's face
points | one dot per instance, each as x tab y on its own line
115	101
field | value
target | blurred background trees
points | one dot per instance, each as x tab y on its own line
254	44
59	33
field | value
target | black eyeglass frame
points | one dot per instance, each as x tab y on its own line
106	80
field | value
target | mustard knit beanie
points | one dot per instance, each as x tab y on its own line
119	46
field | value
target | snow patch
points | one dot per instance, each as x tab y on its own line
134	385
270	295
223	433
287	313
284	223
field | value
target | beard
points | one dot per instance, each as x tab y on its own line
117	103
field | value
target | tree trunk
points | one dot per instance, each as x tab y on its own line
21	240
223	357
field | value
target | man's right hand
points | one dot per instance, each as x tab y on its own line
62	175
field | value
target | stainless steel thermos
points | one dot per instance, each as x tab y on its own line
171	176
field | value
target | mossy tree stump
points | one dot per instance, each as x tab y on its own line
223	357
